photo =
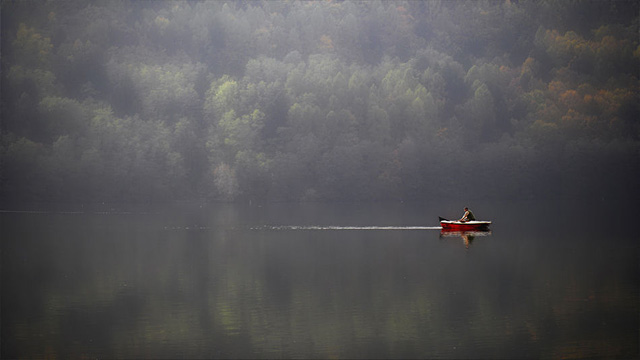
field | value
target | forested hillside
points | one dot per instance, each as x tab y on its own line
318	100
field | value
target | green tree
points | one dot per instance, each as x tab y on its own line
31	49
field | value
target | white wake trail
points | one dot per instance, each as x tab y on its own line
313	227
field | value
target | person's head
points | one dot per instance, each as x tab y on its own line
466	209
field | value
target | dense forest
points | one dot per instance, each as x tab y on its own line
318	100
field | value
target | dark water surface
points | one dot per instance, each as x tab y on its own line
318	281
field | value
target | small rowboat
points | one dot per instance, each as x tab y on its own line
464	226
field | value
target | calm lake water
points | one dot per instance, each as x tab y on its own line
319	281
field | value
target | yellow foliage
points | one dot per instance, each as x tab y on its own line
161	22
31	47
557	87
326	42
527	66
575	119
570	99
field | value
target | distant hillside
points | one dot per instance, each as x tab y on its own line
319	100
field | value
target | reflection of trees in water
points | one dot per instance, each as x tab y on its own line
230	293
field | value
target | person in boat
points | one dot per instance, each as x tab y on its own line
468	215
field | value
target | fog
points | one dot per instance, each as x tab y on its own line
319	100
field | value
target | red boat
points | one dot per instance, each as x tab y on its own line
464	226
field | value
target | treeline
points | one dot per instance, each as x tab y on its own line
318	100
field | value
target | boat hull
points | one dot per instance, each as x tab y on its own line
464	226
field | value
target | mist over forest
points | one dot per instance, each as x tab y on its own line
319	100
